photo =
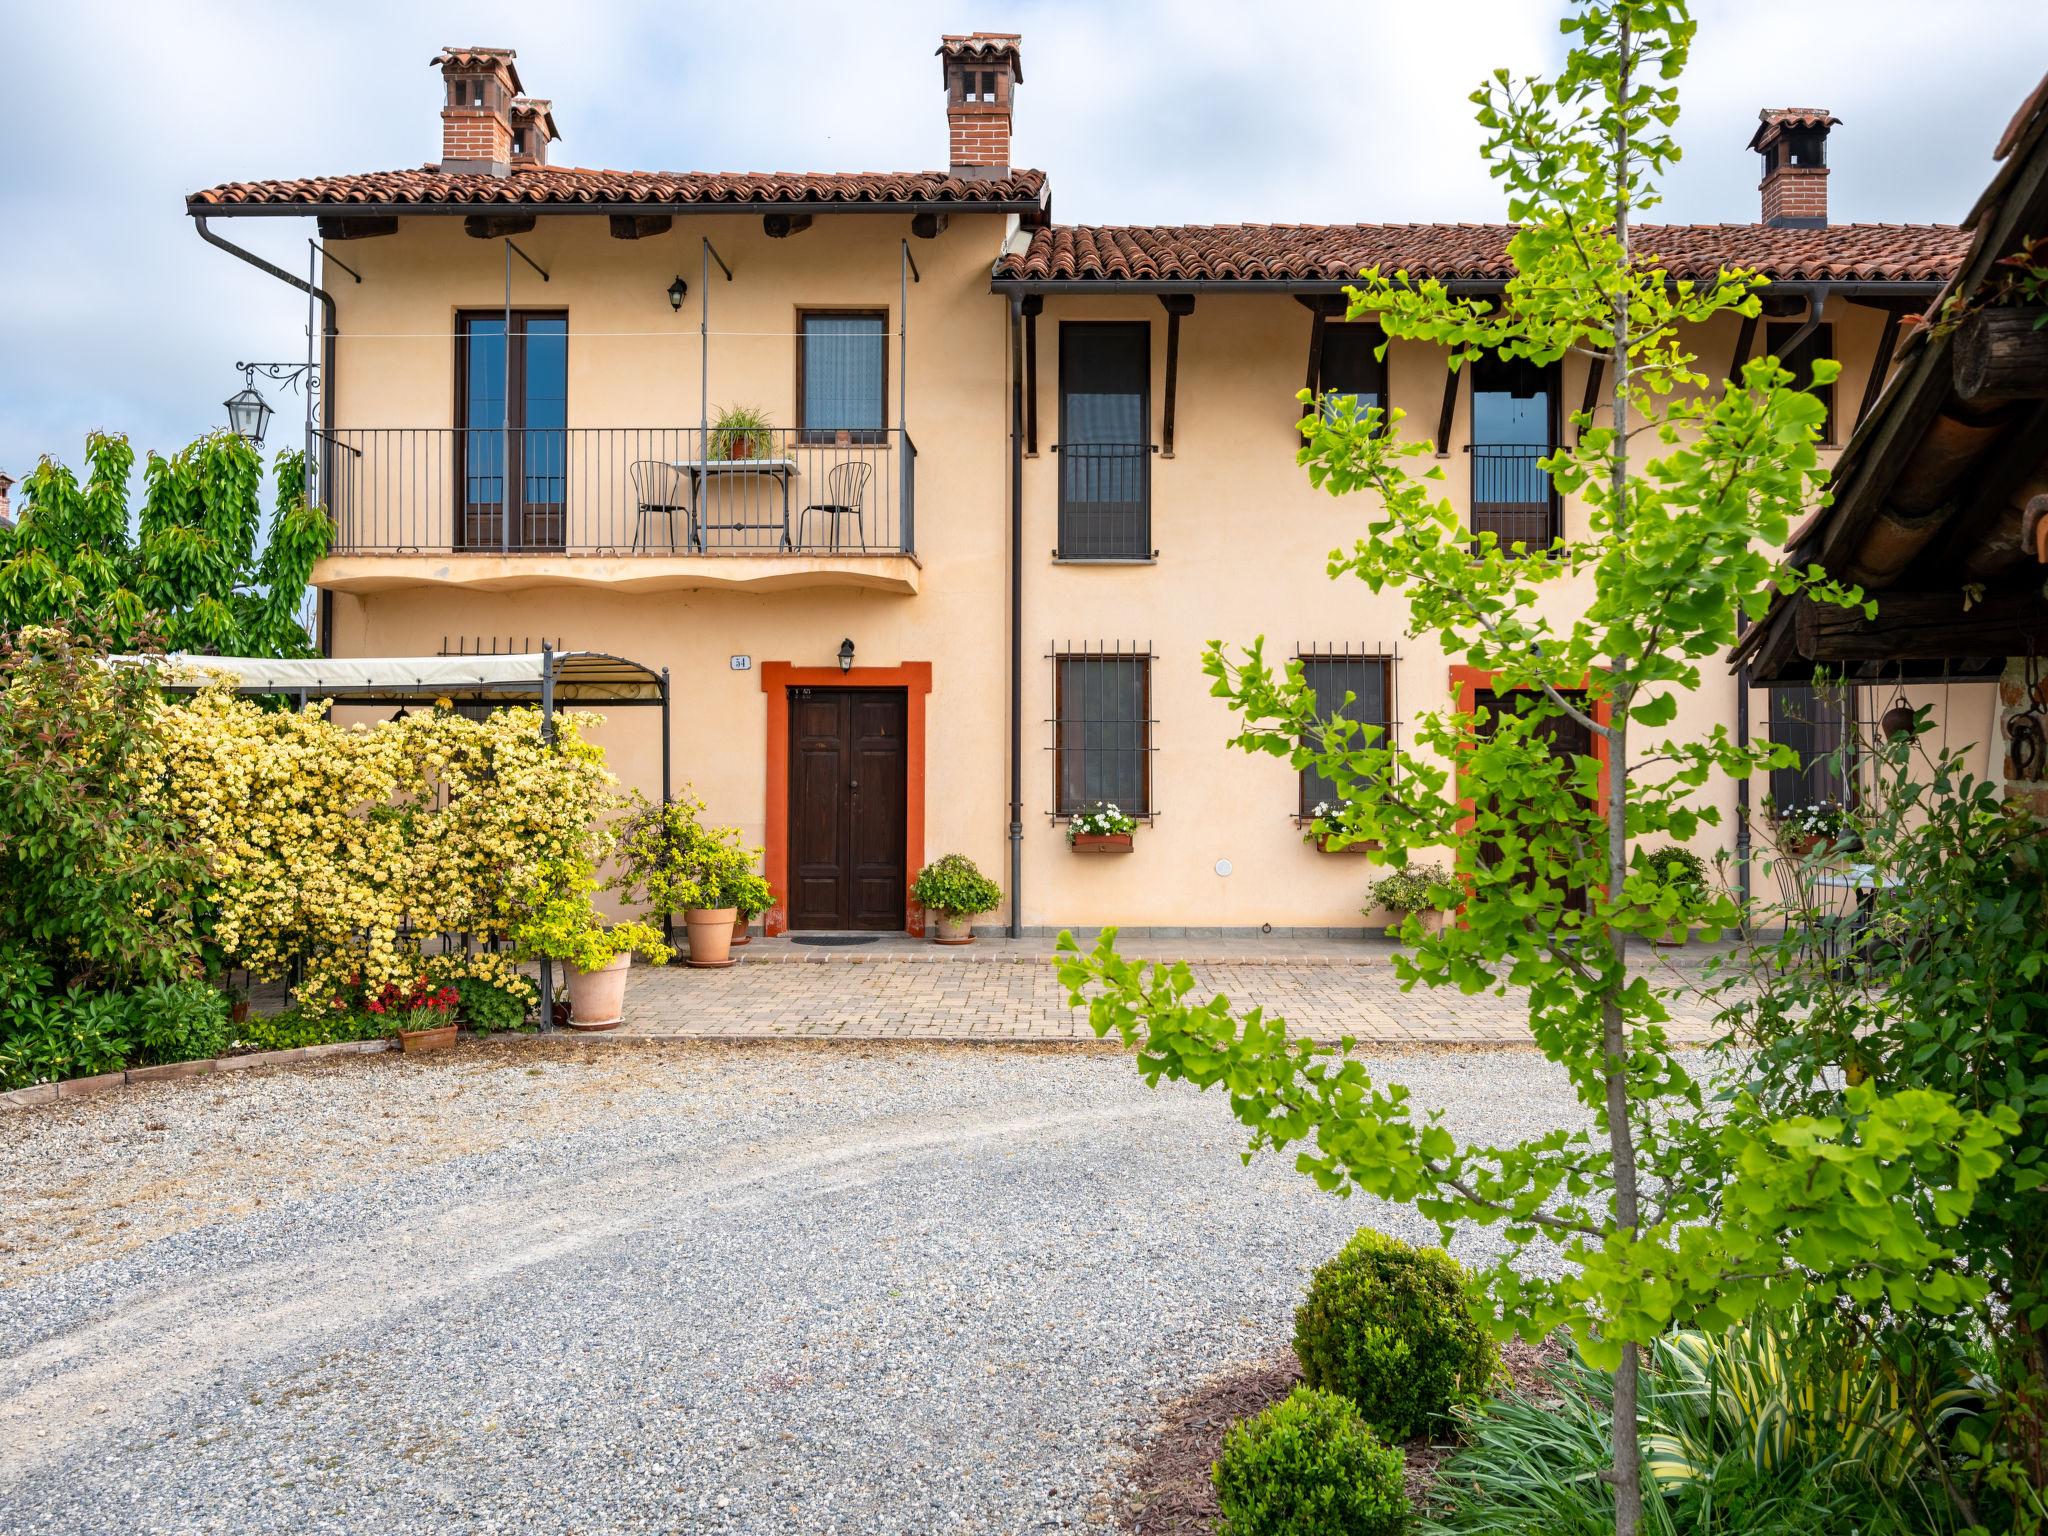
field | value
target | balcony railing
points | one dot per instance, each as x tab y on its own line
619	491
1511	497
1105	501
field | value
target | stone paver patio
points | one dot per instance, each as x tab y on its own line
999	990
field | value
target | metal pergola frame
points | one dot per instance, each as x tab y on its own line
555	678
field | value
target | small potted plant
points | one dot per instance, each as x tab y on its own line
1101	828
1338	828
740	433
686	867
422	1013
561	922
752	895
955	892
1683	871
1411	890
1823	827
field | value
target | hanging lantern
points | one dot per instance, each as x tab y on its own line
248	414
677	291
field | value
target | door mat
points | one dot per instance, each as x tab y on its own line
833	940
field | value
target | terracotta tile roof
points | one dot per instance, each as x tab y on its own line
566	184
1336	252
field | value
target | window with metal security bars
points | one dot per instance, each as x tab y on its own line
842	371
1348	685
1514	428
1817	344
1349	367
1818	722
1102	729
1105	447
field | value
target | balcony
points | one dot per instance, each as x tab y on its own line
624	508
1512	497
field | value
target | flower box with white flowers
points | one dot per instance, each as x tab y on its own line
1102	828
1336	829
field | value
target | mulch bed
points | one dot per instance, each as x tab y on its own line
1166	1489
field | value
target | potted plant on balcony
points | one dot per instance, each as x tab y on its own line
1684	872
1338	828
1419	889
1823	827
685	867
559	921
954	891
1102	828
739	433
752	895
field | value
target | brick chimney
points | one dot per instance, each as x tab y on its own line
1794	144
476	109
533	129
982	72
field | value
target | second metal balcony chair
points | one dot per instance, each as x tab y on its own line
660	489
846	490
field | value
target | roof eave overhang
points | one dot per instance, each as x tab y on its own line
1846	288
464	210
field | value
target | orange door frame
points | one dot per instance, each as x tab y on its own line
777	678
1465	685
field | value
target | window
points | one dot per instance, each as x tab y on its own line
1817	721
1105	449
512	415
1349	366
1819	343
1368	681
1514	425
1102	731
842	375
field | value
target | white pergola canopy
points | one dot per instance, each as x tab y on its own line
534	677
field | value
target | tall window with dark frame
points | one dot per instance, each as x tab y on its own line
1347	687
1817	721
512	405
1514	426
1349	367
842	375
1819	343
1105	448
1102	732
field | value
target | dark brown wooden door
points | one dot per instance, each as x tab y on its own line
846	807
1568	738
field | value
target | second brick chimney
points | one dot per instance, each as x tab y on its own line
1794	144
982	70
476	109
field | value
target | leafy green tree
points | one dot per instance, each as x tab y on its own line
1670	1213
189	569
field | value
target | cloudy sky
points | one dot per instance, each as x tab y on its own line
113	315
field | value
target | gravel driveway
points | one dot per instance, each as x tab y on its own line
581	1287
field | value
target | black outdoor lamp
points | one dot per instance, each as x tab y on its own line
248	412
676	292
846	655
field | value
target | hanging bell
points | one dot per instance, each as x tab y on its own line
1900	721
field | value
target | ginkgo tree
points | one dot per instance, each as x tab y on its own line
193	568
1678	1208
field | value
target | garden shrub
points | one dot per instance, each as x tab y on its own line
953	887
1391	1328
176	1021
300	1026
1309	1466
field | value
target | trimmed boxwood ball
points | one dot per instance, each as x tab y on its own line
1309	1466
1391	1327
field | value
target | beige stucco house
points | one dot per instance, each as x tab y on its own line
1004	479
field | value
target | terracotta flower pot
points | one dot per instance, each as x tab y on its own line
952	929
1102	842
710	935
1675	935
597	999
741	932
1431	919
1362	845
439	1038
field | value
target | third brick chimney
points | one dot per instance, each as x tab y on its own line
1794	144
982	71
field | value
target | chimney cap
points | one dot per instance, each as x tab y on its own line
478	57
1773	121
536	109
989	47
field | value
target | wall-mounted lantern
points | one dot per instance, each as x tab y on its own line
677	292
846	655
248	414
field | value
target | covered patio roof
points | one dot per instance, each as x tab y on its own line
533	677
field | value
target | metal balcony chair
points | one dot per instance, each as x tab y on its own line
661	490
846	490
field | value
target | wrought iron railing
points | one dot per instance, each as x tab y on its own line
1105	501
619	490
1511	497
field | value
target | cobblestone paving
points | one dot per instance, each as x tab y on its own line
1020	998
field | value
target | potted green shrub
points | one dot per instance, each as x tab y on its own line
955	892
1101	828
1683	871
685	867
752	896
741	432
561	922
1403	891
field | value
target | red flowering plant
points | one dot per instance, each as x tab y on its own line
417	1004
